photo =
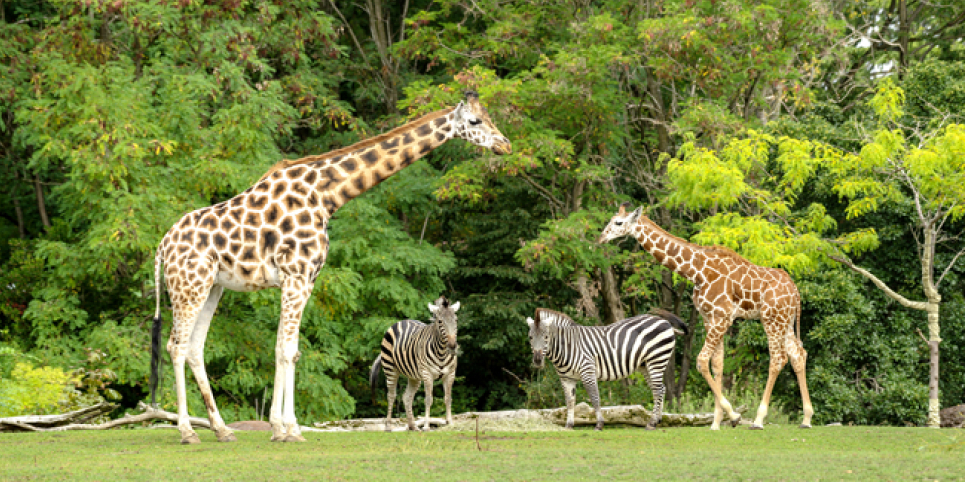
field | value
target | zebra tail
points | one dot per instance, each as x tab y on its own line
156	331
679	326
374	372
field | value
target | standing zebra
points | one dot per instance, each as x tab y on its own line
422	353
613	352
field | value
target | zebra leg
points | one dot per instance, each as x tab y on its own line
428	381
391	381
589	383
569	392
655	380
447	388
407	398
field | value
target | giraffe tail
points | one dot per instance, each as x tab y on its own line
374	372
156	331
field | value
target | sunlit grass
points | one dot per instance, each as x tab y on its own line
779	452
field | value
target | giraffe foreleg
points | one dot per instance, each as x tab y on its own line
713	339
296	290
195	360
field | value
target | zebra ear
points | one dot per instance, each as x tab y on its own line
529	321
548	321
433	308
455	307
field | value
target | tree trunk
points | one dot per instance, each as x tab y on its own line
934	403
611	296
18	210
41	206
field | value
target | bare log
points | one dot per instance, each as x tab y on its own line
73	420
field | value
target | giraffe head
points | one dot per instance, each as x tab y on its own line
621	223
444	316
541	332
471	122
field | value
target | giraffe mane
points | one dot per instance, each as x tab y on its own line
358	145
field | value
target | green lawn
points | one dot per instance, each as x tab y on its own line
779	452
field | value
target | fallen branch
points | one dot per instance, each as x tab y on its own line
73	420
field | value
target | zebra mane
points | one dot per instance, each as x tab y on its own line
544	314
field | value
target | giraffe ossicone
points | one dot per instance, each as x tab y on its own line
273	235
726	287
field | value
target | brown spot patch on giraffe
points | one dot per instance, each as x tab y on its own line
276	175
262	186
209	222
304	219
287	225
389	144
711	275
440	121
393	152
308	248
304	233
295	172
747	305
390	165
312	200
228	259
369	157
253	219
187	236
182	249
245	272
293	202
311	177
250	235
237	214
248	255
440	137
407	139
424	147
300	188
359	183
423	130
219	240
235	235
257	202
279	189
319	223
349	165
407	157
269	239
272	214
235	201
330	205
673	250
219	209
202	240
671	263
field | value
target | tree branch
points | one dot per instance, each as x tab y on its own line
917	305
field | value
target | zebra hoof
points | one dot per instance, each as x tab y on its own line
191	439
230	437
803	425
293	438
651	427
756	427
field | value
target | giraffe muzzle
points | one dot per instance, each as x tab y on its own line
502	147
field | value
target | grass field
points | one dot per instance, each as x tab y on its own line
780	452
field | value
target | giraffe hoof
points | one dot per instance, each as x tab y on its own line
228	438
756	427
805	425
191	439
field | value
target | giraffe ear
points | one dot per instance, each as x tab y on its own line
455	307
636	214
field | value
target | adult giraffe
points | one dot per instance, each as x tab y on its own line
273	235
727	286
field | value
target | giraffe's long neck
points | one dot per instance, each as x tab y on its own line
347	176
682	257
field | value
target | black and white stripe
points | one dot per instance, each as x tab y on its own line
642	343
422	354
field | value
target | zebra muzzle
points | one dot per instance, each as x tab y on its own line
537	359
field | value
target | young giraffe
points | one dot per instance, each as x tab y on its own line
727	286
273	235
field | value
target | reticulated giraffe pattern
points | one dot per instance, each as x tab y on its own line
726	287
273	235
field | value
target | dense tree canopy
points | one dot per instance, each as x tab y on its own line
806	134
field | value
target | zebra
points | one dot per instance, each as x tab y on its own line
421	353
613	352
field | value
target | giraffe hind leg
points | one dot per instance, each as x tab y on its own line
195	360
187	308
798	356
